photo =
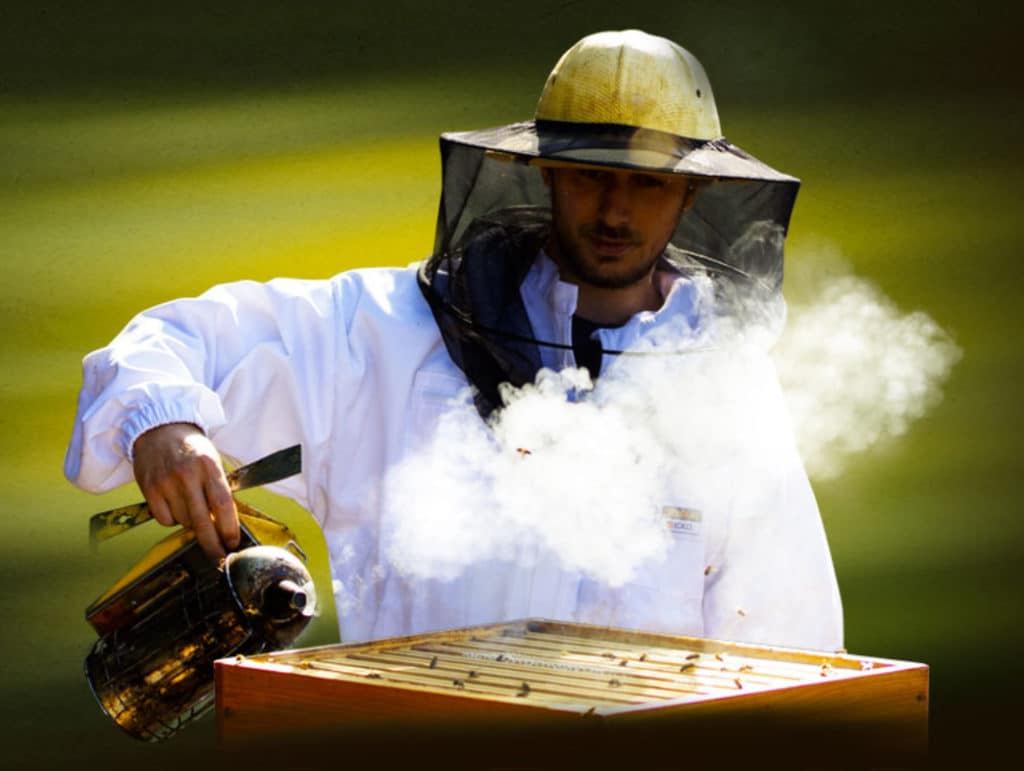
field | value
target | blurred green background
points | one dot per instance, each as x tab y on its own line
146	154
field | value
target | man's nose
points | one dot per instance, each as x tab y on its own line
616	202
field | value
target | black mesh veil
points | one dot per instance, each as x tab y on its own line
494	217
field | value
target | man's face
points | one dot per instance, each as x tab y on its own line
611	225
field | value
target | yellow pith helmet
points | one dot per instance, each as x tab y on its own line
635	79
626	99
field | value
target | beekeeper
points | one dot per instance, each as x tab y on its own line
561	242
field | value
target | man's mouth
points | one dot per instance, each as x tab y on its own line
608	245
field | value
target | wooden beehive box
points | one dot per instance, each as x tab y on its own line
572	679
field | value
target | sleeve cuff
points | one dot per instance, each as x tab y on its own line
153	415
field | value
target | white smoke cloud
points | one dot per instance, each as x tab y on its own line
856	370
587	478
534	480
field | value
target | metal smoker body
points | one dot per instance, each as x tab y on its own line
165	622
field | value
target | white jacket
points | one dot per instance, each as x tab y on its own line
355	370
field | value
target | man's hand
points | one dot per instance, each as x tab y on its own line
181	476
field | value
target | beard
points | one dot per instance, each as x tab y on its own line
610	274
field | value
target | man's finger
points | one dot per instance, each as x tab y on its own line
225	516
160	510
202	524
178	504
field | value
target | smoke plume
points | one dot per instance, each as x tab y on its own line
584	470
857	371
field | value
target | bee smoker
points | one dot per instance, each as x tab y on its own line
165	622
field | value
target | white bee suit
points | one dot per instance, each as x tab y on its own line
355	370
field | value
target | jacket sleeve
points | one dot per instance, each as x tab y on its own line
770	576
251	364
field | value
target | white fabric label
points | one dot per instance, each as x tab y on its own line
682	522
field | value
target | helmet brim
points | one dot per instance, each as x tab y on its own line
545	142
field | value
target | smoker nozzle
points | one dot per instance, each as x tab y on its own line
275	591
288	594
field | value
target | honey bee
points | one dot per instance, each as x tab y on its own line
720	657
747	668
643	657
523	451
687	667
524	689
693	656
741	611
433	663
739	685
458	683
623	663
373	675
613	683
589	712
608	655
472	673
500	657
707	570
